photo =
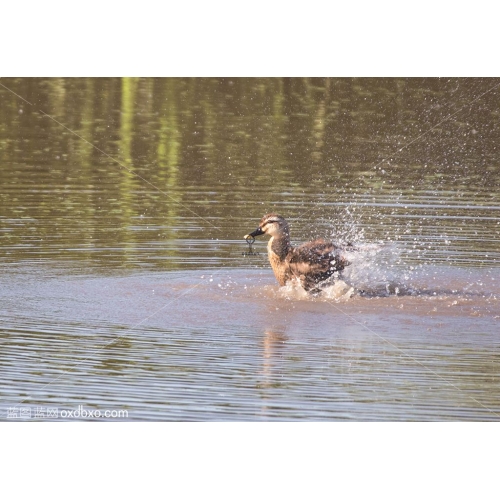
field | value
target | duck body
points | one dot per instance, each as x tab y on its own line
311	263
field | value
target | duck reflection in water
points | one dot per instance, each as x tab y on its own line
311	263
273	347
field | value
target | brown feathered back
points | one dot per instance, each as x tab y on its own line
315	261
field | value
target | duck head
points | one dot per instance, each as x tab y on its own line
271	224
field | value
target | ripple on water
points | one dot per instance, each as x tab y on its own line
228	344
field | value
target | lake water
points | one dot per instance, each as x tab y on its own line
125	290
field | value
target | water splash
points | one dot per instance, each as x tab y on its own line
338	291
378	270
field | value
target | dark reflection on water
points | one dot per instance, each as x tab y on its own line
117	195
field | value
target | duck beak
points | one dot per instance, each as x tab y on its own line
257	232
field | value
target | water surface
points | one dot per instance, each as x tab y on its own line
123	286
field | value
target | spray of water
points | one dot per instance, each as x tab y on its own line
377	269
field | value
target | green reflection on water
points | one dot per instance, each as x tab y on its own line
232	149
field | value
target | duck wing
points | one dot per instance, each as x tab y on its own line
315	261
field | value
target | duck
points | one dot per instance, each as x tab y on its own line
310	263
